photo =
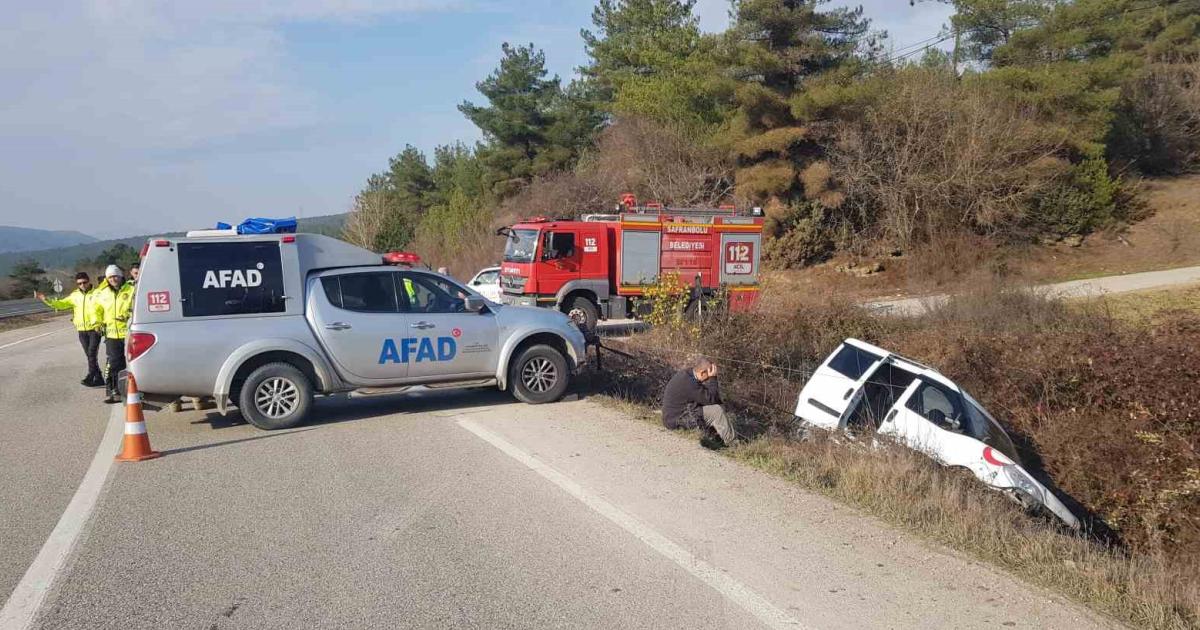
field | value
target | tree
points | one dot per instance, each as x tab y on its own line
981	26
518	124
120	254
775	47
409	180
649	59
28	277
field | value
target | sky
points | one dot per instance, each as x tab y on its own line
127	117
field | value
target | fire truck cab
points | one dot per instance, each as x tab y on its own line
599	267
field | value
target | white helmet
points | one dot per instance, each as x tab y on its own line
113	270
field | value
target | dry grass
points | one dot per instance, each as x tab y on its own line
951	508
1081	391
1149	307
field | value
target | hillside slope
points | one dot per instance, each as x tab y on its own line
66	257
20	239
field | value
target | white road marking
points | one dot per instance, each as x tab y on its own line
735	591
9	345
22	606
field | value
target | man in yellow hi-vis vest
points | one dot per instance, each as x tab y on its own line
85	317
115	300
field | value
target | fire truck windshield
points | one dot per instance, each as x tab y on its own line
522	245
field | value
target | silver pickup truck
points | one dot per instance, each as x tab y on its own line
266	322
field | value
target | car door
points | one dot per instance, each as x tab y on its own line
931	417
444	341
559	261
357	317
837	383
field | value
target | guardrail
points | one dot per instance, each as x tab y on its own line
17	308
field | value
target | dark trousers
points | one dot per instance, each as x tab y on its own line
90	340
115	350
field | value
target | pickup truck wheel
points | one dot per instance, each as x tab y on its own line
538	375
275	396
583	312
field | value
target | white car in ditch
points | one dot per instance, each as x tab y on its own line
861	387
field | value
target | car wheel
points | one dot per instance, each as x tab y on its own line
583	312
275	396
538	375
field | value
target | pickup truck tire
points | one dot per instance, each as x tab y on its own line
583	312
538	375
275	396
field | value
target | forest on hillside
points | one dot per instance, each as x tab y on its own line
1022	120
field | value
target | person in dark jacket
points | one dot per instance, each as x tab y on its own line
692	399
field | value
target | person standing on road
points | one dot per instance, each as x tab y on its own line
692	399
135	270
115	300
85	317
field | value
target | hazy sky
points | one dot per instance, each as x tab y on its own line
124	117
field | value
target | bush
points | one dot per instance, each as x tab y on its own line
1083	202
1158	120
803	237
931	156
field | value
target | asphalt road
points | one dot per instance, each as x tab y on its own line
1090	288
450	509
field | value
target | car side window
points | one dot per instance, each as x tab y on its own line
938	405
428	294
333	290
559	245
367	292
852	362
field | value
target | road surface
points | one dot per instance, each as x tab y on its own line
1091	288
446	510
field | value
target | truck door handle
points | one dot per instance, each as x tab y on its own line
338	326
422	325
847	394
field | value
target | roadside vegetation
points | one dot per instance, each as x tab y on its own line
1103	408
1035	128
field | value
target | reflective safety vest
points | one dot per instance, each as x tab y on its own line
116	308
411	291
85	312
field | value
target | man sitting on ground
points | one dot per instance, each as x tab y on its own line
692	400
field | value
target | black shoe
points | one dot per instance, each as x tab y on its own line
712	442
111	400
86	382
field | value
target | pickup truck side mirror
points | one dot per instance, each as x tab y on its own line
473	304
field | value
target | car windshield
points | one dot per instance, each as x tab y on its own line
522	244
985	429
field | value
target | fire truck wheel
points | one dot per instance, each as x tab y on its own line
583	312
538	375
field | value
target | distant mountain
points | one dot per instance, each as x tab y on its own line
19	239
65	258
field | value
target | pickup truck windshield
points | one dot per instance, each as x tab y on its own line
522	245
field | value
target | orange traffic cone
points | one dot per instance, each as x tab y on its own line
137	442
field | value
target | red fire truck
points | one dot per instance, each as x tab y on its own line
599	267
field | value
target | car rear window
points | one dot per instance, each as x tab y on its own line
852	361
231	278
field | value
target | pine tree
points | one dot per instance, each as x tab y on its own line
521	123
775	47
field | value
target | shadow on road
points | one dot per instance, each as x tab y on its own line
200	447
343	408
